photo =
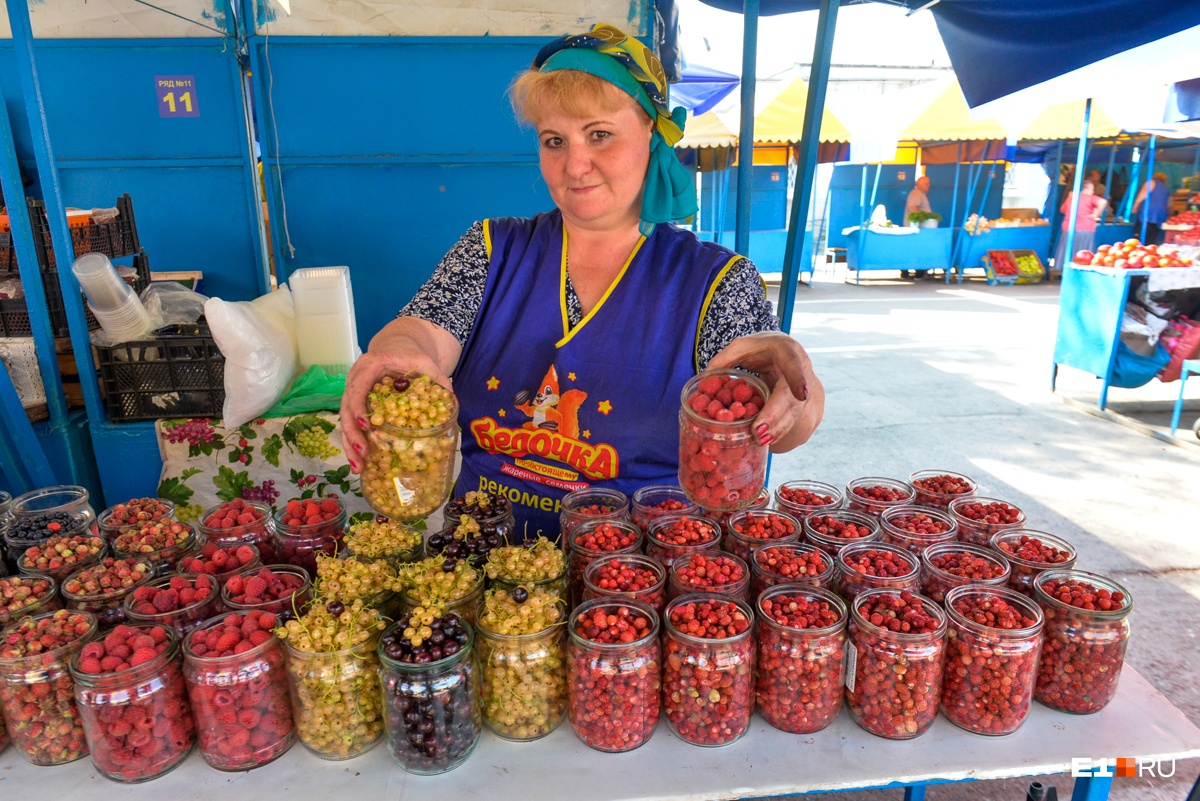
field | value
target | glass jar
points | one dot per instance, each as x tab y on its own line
866	566
980	518
1031	553
61	510
138	721
800	669
336	698
384	540
953	564
592	540
524	695
185	616
673	536
803	497
936	488
884	700
592	504
1084	650
555	585
915	528
287	606
107	603
631	576
38	689
61	556
121	518
257	527
655	500
466	606
409	472
722	465
493	512
613	688
721	518
714	572
708	683
23	596
223	567
298	541
990	667
797	564
163	559
431	710
751	529
873	495
832	531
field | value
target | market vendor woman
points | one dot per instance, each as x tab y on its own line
586	321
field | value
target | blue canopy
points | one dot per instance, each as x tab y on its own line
1183	104
702	88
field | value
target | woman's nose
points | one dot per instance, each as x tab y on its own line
579	161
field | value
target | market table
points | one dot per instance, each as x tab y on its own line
1140	722
927	249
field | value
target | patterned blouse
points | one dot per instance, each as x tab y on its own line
453	294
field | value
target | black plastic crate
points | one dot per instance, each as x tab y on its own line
179	372
114	239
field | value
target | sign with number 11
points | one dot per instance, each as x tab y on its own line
176	95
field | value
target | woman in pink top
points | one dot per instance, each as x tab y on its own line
1091	208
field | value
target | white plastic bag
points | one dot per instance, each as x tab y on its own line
258	340
172	303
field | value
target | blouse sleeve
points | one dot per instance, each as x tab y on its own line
453	295
739	307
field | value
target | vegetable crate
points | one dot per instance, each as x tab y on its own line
1007	267
179	372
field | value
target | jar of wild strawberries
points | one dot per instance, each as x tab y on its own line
708	668
993	640
305	528
803	497
831	531
655	500
915	528
1087	631
873	495
711	571
59	511
722	462
631	576
797	563
593	539
721	518
25	596
239	522
1031	553
937	488
801	651
953	564
979	519
866	566
131	515
673	536
613	673
137	719
894	672
751	529
222	676
592	504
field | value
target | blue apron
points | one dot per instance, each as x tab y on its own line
546	409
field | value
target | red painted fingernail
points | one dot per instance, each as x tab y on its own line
760	431
362	423
804	392
766	439
358	448
354	465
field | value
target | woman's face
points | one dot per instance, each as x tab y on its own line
595	166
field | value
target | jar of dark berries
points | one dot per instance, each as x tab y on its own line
430	691
873	495
493	512
590	541
613	673
1087	631
722	461
803	497
673	536
979	519
239	522
937	488
832	531
891	629
953	564
305	528
993	641
753	528
654	501
708	668
873	565
1031	553
798	563
592	504
632	576
915	528
801	654
463	537
59	511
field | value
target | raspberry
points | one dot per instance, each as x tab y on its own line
259	637
90	665
714	406
142	656
710	386
255	586
227	641
743	392
220	558
109	664
92	650
244	554
158	634
167	601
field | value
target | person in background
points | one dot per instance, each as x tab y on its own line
918	200
1091	209
1101	189
1155	193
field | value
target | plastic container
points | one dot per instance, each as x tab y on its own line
1031	553
259	532
655	500
592	540
408	472
326	335
832	531
163	560
673	536
185	618
138	721
953	564
298	543
614	688
979	519
524	692
915	528
630	576
336	699
800	669
990	667
937	488
797	564
106	290
60	566
1084	651
289	606
716	572
722	465
65	505
588	505
39	687
867	566
108	605
26	596
752	528
114	521
873	495
708	683
803	497
883	701
176	371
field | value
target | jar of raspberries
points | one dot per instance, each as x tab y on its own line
722	460
305	528
239	522
179	601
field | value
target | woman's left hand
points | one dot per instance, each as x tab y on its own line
797	401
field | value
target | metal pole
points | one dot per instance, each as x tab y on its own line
814	107
745	175
1149	177
875	188
1135	174
954	210
1080	161
1112	157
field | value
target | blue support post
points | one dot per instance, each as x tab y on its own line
806	167
954	209
1131	191
1112	158
745	175
875	186
1149	177
1080	161
24	462
956	246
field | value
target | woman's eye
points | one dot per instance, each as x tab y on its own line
600	135
551	142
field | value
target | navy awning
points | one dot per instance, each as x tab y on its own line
702	88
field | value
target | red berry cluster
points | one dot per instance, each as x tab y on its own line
878	563
138	510
273	590
979	519
672	537
235	634
799	496
43	634
60	552
748	530
239	522
180	601
111	576
153	537
613	697
932	491
862	568
624	576
800	674
881	493
1032	549
1084	650
1083	595
789	564
708	687
996	512
18	593
725	399
902	612
140	726
954	568
993	612
831	532
232	514
217	561
310	512
607	537
310	527
700	572
645	513
920	523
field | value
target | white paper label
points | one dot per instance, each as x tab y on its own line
851	665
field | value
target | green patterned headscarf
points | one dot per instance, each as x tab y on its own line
613	56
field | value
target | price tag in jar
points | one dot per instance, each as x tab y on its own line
851	666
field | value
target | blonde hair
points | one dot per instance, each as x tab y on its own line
535	94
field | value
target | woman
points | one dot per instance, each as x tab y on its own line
1156	194
584	323
1091	209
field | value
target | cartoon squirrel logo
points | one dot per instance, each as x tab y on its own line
548	408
